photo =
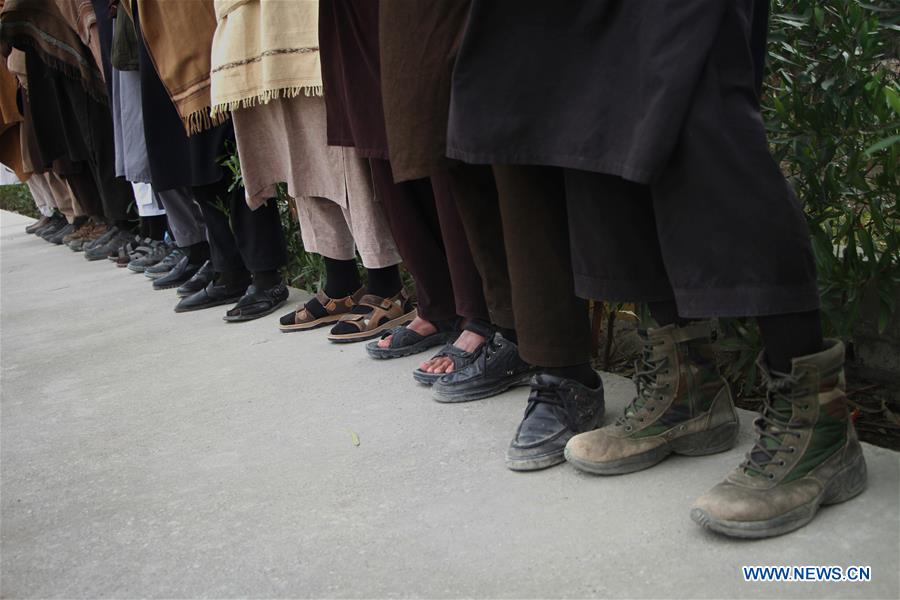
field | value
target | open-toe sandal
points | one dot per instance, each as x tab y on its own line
318	311
406	342
459	357
372	316
257	303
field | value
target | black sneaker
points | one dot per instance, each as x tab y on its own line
39	224
165	265
147	255
557	409
57	222
496	368
112	245
57	238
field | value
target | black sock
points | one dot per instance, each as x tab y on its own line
509	334
583	374
265	280
156	227
385	282
341	277
666	313
79	221
124	224
233	279
197	253
790	336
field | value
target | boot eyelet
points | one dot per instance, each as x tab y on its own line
771	476
628	428
781	463
791	449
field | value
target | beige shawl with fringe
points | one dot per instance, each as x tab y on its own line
263	50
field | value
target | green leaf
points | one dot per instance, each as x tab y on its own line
882	144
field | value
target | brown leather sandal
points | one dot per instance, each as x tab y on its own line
372	316
318	311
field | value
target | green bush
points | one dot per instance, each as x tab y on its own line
17	198
832	108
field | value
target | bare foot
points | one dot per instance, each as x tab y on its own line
469	341
419	325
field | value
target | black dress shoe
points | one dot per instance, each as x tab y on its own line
179	275
211	295
557	409
202	278
258	303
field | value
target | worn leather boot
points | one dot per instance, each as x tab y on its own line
806	454
682	405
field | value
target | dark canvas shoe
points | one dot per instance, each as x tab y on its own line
165	265
806	454
210	296
179	275
496	368
102	239
57	222
202	278
557	409
57	238
115	242
682	405
39	224
148	255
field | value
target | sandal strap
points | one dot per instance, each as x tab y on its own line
383	310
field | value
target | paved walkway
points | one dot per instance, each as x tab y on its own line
146	453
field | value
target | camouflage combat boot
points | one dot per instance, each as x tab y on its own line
682	405
806	454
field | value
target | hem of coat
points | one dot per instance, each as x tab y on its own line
701	303
523	157
381	153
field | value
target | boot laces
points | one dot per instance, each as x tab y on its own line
774	424
646	383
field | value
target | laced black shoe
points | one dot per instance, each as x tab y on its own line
557	409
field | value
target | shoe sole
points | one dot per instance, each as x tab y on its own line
156	275
450	396
432	341
136	269
537	463
702	443
321	322
368	335
242	318
169	286
845	485
231	300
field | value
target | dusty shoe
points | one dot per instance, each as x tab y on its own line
557	409
494	369
57	238
149	253
163	267
39	224
806	454
682	405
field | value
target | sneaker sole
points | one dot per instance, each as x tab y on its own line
438	394
537	463
702	443
845	485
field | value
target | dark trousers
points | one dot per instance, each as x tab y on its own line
432	242
240	239
522	229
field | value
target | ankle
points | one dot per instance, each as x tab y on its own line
583	374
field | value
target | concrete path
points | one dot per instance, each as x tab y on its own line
151	454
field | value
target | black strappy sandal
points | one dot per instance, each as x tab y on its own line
406	342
